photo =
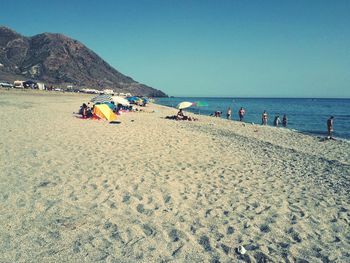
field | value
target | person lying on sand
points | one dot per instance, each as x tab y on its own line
174	117
181	117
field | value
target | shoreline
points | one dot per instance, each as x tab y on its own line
313	134
314	123
152	189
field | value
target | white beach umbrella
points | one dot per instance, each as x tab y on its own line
184	105
120	100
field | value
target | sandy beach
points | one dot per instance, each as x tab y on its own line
156	190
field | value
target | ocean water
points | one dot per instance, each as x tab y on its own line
304	115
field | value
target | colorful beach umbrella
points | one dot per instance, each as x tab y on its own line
200	104
102	98
134	99
184	105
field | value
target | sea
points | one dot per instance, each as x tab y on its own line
304	115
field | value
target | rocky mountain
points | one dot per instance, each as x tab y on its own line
58	60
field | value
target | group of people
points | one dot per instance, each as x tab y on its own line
264	117
180	116
241	113
86	110
276	121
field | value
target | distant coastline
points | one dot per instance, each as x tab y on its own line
229	97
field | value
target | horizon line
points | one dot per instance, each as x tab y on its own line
247	97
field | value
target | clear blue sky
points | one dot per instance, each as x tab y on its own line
265	48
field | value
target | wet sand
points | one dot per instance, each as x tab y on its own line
156	190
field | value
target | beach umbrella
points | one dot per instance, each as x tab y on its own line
133	99
200	104
102	98
184	105
120	100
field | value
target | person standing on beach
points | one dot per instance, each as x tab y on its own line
229	112
264	118
276	121
284	120
241	113
330	127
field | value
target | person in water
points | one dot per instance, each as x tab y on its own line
241	113
264	118
217	114
276	121
229	112
330	127
284	120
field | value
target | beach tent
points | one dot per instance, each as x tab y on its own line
102	98
104	112
110	105
120	100
184	105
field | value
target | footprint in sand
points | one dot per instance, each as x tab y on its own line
114	231
112	204
174	235
226	249
73	197
230	230
93	186
261	257
55	235
166	198
126	198
295	235
265	228
141	209
20	203
76	246
205	243
148	230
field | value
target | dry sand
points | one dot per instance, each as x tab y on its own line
156	190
